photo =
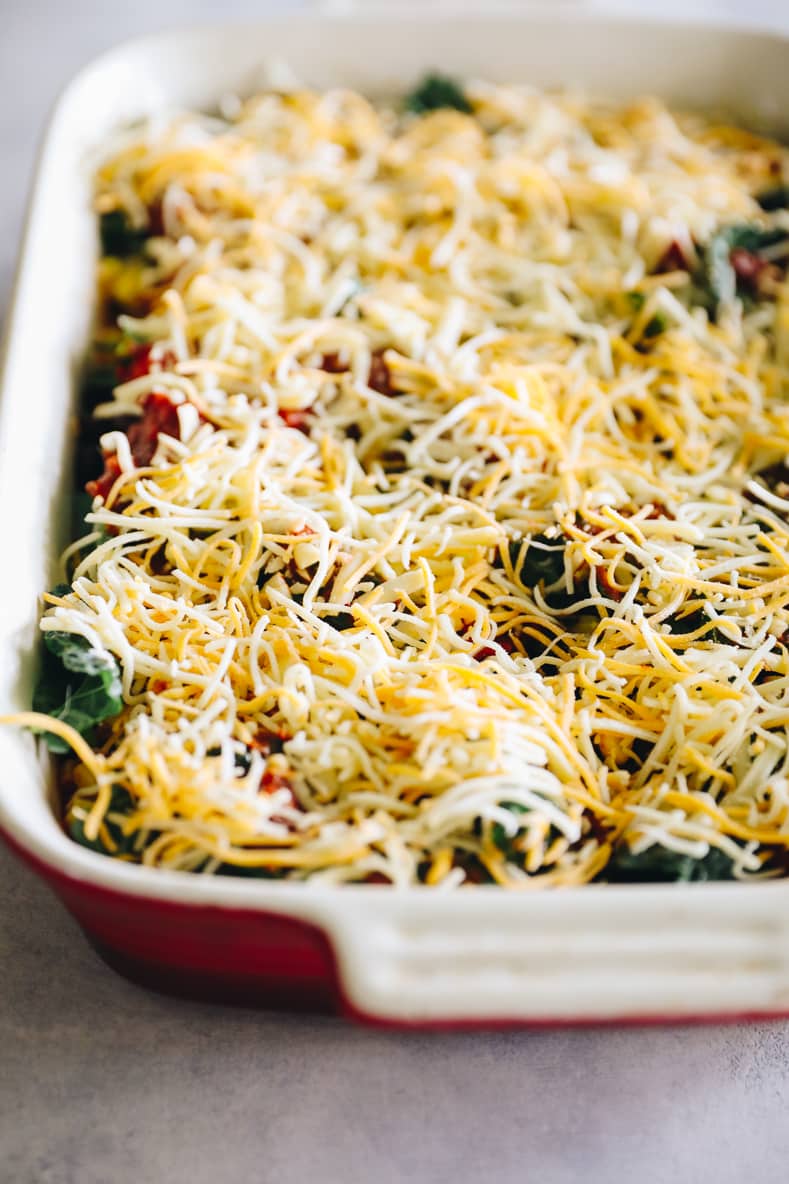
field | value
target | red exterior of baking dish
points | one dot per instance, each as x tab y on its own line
254	958
232	955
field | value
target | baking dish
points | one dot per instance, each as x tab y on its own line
418	956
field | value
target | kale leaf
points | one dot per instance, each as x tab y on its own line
118	236
98	381
77	684
339	621
80	506
505	842
776	198
435	91
121	802
697	620
718	281
660	865
542	561
656	324
510	845
247	872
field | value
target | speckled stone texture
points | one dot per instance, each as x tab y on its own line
103	1083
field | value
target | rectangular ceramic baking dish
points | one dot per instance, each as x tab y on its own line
407	957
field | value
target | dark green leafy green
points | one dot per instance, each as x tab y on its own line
718	282
97	385
751	237
535	642
659	865
77	684
339	621
473	867
81	505
541	561
691	622
511	845
435	91
252	873
776	477
121	802
505	842
118	236
656	324
776	198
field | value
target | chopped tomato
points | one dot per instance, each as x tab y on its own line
267	742
138	363
159	415
475	871
298	419
102	485
380	377
155	218
376	878
332	365
672	259
271	783
487	651
605	584
748	266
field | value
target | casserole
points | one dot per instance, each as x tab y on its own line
410	956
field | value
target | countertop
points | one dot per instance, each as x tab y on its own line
104	1083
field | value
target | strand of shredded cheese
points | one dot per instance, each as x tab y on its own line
486	261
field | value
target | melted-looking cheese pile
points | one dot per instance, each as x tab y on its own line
490	257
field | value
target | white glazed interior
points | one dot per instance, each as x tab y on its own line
418	954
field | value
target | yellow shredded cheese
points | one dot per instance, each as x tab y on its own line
408	356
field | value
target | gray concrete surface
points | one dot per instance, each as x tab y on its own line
103	1083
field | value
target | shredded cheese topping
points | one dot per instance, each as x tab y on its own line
413	357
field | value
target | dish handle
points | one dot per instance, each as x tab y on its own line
610	953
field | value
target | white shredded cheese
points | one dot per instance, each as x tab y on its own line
399	347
